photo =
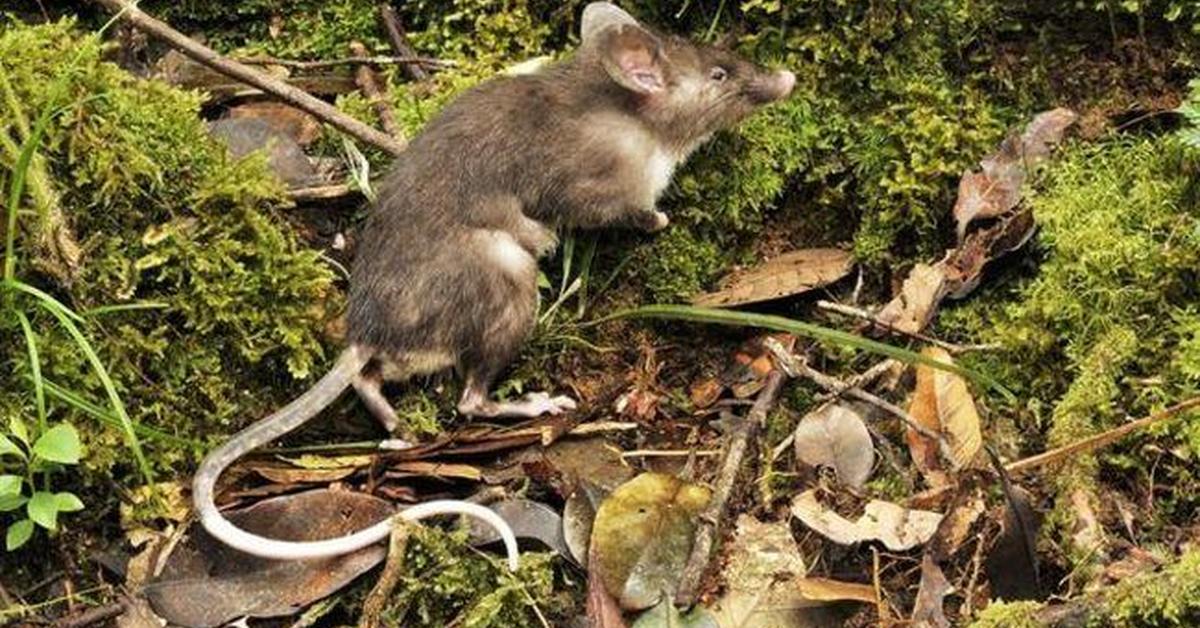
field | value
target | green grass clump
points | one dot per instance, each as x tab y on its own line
204	310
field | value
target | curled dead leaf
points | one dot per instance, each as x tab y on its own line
928	612
897	527
943	404
786	275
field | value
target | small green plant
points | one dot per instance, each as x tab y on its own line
49	452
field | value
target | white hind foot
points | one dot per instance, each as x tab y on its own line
531	405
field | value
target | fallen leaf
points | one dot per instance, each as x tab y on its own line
433	470
963	266
928	611
282	118
1136	561
243	136
912	309
789	274
528	520
311	461
997	188
295	475
1012	565
579	514
594	460
752	362
835	436
827	590
1086	532
898	528
642	536
206	583
942	403
763	565
956	526
705	392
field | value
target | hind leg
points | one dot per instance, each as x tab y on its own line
369	387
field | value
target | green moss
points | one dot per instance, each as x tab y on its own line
1168	598
1008	615
446	583
678	263
164	218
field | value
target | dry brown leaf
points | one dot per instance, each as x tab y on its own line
963	266
282	118
897	527
705	392
956	526
943	403
826	590
789	274
928	612
434	470
835	436
997	188
914	307
294	475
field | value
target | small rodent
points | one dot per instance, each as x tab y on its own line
445	275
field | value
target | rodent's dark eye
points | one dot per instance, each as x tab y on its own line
718	74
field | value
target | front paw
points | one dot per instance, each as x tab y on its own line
652	221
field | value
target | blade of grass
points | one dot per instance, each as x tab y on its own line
16	188
67	319
35	370
125	307
75	400
779	323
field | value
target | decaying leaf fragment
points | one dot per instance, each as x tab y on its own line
826	590
897	527
943	404
761	572
642	536
835	436
996	189
914	307
786	275
928	612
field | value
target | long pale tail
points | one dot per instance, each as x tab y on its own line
349	364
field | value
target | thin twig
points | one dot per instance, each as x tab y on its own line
797	366
358	59
292	96
669	453
92	616
374	90
864	379
393	569
709	521
323	192
395	32
1099	440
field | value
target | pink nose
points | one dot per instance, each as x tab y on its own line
786	81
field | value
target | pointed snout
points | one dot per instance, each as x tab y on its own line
773	86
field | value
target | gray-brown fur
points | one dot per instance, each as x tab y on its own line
445	275
590	142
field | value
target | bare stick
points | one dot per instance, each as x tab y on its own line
1099	440
668	453
391	22
323	192
864	379
370	85
295	97
797	366
709	524
393	568
364	58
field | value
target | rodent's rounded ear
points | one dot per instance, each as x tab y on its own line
633	58
598	16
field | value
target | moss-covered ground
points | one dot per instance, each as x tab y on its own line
192	279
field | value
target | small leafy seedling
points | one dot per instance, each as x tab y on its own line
52	449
